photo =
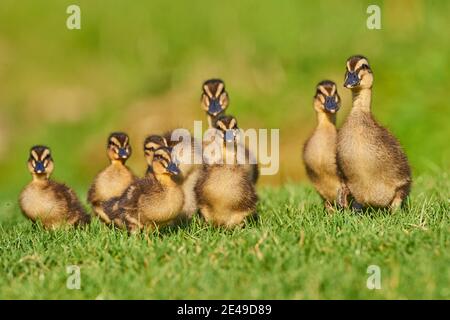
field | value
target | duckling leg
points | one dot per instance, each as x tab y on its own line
132	223
206	213
329	207
399	196
98	210
342	196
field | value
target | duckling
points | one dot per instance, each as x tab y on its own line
375	168
155	200
319	151
252	168
190	172
112	181
225	192
151	144
214	99
52	203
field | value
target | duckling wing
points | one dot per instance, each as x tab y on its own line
127	203
394	149
75	213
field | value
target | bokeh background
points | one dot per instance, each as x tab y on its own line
138	66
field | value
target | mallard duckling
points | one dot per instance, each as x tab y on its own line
374	166
252	168
155	200
151	144
225	192
190	172
214	99
319	151
52	203
112	181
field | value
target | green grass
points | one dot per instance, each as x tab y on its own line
296	251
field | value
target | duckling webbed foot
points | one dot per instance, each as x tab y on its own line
356	206
398	200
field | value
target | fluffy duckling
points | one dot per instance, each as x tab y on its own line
225	192
319	152
52	203
374	166
151	144
190	172
155	200
230	121
112	181
214	99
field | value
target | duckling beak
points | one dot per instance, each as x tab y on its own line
351	80
330	104
214	107
172	168
229	136
123	154
39	168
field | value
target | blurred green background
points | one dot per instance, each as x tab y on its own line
138	66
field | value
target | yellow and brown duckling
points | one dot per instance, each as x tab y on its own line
190	170
225	191
214	99
114	179
153	201
224	122
319	151
374	166
151	144
52	203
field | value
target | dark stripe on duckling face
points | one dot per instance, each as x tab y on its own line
151	144
214	97
163	159
227	125
154	142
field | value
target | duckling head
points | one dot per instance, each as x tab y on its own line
40	162
227	128
358	74
163	163
214	97
118	147
151	144
327	98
